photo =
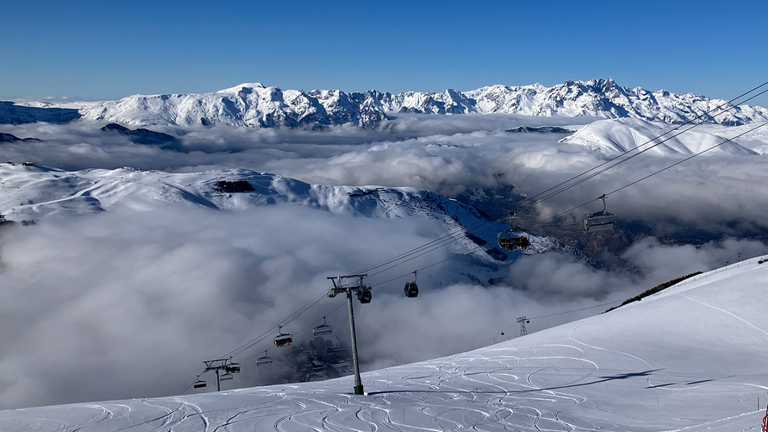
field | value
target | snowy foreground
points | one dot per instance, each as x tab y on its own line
691	358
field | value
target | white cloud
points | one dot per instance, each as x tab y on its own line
128	304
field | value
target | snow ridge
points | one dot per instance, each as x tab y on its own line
257	106
616	136
35	192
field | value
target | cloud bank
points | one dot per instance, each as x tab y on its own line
129	303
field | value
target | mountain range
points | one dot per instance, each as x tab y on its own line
257	106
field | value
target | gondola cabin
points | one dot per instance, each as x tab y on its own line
364	295
411	289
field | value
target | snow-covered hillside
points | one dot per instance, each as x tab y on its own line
691	358
32	192
255	105
622	135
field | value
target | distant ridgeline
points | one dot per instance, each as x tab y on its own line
10	113
6	137
140	135
655	289
257	106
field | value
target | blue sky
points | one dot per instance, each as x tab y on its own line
104	49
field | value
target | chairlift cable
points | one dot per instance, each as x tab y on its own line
725	140
626	159
269	331
454	236
300	331
554	314
550	194
622	155
192	383
686	159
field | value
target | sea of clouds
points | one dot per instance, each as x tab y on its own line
129	303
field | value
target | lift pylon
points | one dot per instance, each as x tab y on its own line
347	284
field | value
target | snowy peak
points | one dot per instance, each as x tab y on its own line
258	106
622	135
245	105
605	98
241	87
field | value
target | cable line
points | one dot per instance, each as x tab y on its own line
459	233
561	187
725	140
551	315
452	237
730	102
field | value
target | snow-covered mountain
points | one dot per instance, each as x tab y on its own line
691	358
622	135
254	105
32	192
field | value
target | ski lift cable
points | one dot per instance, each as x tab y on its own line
434	248
580	181
538	198
481	344
476	247
456	233
317	300
554	314
270	330
192	383
453	236
686	159
725	140
626	159
312	303
625	154
302	330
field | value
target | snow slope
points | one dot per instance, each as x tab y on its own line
691	358
34	192
258	106
622	135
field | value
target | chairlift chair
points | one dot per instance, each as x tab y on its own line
232	368
411	289
283	339
364	295
265	359
511	241
322	329
599	221
226	377
200	383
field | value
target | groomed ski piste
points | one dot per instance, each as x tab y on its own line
690	358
